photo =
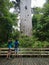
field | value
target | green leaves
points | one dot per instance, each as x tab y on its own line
5	28
41	23
7	20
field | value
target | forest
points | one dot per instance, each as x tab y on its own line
40	24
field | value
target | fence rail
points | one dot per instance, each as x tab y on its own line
26	51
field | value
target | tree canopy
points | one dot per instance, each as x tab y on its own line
41	22
7	20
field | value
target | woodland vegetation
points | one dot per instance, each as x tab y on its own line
40	23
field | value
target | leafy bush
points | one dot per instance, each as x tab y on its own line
26	41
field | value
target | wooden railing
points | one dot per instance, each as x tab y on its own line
26	51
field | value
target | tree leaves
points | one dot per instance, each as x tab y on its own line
42	23
7	20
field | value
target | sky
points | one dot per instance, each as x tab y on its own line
34	3
37	3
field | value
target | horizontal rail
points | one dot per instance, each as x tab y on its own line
26	54
26	51
33	49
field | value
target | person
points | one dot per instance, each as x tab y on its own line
16	46
9	48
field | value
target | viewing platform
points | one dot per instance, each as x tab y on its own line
25	61
26	56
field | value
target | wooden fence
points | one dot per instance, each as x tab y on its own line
26	51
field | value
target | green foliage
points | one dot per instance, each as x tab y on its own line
7	20
37	10
46	9
39	44
36	21
16	34
5	5
5	28
14	19
3	45
41	23
26	42
32	42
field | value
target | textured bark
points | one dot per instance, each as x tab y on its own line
25	17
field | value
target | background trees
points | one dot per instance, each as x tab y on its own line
41	23
7	20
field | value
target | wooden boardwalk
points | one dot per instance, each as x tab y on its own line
25	61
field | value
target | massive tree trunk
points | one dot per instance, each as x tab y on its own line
25	17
